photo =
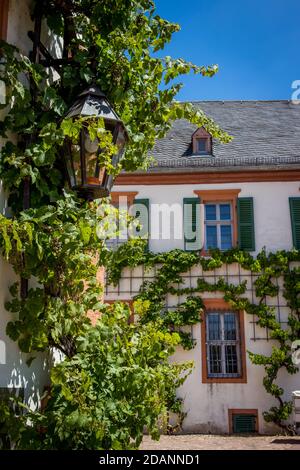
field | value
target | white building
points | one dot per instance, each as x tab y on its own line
15	375
255	176
249	194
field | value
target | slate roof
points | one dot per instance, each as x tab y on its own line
266	135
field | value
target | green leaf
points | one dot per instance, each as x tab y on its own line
53	101
13	330
30	360
55	22
86	231
71	128
7	242
17	238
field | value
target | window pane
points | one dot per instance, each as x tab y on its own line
215	362
230	326
226	238
201	145
225	212
231	363
210	212
214	326
211	236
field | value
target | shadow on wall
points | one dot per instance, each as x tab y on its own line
14	371
3	200
16	375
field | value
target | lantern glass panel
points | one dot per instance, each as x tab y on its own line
75	152
121	139
90	149
69	166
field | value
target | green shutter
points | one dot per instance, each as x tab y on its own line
244	423
143	219
295	219
246	224
191	225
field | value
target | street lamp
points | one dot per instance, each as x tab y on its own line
85	175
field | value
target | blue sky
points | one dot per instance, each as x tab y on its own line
256	44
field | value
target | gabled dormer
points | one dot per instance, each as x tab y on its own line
201	142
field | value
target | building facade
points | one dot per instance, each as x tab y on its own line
199	194
16	376
202	194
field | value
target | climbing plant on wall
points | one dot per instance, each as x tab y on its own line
267	268
114	45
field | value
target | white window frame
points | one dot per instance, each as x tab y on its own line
218	222
202	152
223	343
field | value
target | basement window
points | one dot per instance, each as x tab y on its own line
243	421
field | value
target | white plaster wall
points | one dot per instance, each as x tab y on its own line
207	405
19	23
271	209
14	371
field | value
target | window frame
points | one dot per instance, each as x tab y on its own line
201	133
222	343
206	144
222	195
241	411
218	223
220	306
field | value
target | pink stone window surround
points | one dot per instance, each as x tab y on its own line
201	142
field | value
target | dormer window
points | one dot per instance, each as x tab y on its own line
201	142
202	145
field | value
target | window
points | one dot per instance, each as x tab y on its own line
201	142
218	226
223	345
202	145
243	421
221	211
